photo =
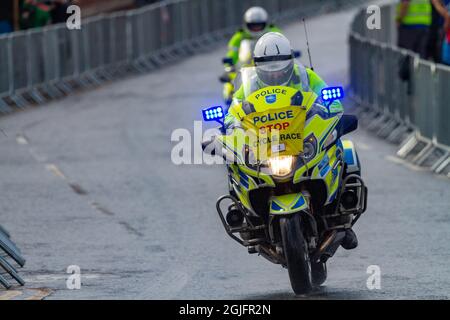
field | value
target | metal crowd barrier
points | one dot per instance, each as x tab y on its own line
10	259
401	97
48	63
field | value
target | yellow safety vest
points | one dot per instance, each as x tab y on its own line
419	13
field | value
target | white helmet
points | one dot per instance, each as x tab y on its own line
274	59
256	19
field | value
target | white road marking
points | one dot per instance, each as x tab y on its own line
55	170
21	140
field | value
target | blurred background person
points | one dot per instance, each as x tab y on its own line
34	14
446	42
256	24
413	22
39	13
440	16
59	10
6	16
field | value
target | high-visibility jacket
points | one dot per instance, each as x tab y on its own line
419	13
303	79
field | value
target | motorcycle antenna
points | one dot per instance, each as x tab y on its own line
307	45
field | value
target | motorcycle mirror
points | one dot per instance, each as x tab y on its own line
225	78
297	54
227	61
348	123
332	94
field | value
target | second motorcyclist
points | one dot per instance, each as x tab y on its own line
256	24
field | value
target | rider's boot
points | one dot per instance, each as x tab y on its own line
350	240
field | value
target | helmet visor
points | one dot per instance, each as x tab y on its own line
256	26
275	73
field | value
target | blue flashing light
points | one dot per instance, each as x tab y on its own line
332	93
213	114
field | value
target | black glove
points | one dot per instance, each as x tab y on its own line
225	77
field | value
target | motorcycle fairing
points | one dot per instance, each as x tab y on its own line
288	204
243	181
351	157
320	129
329	171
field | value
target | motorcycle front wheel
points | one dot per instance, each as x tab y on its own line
296	254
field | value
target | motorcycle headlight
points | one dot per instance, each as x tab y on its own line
281	166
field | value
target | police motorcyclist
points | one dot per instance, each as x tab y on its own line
256	24
275	66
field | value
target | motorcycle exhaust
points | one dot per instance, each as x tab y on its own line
329	246
268	254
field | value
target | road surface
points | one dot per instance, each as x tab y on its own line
89	181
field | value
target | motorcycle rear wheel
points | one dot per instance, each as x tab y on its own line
296	254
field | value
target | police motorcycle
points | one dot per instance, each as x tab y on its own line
231	78
294	182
